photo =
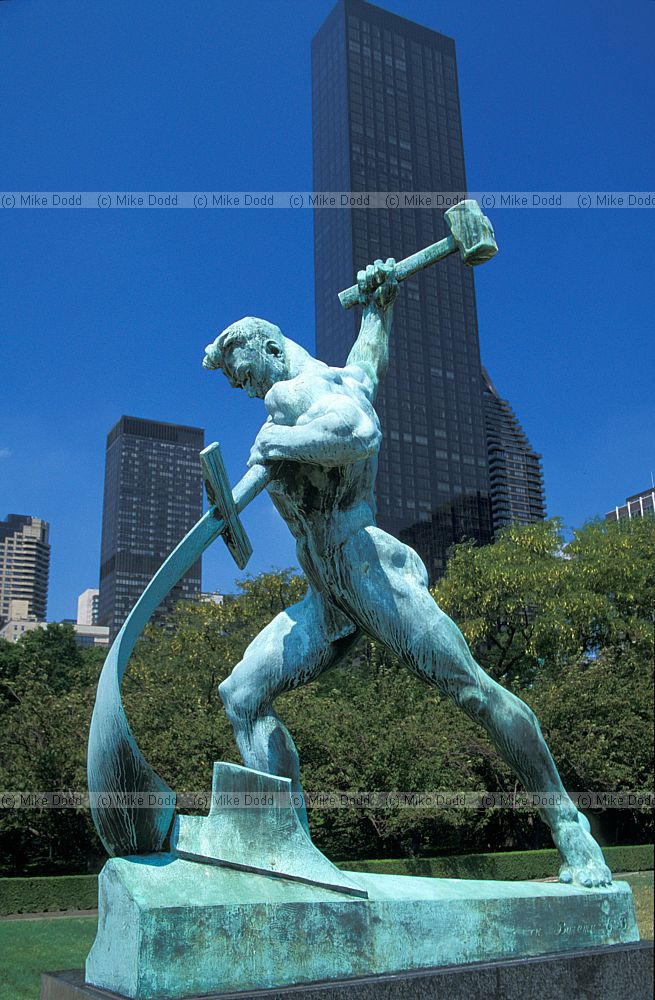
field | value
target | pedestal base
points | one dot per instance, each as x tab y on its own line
621	972
174	928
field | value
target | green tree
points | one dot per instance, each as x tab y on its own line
598	719
370	726
47	686
570	628
531	603
612	586
500	594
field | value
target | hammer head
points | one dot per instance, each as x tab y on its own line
219	495
472	232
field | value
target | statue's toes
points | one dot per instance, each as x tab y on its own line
593	878
589	878
565	875
604	876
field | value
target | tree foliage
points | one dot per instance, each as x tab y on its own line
532	603
47	686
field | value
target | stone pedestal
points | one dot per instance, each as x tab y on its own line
621	972
245	902
174	928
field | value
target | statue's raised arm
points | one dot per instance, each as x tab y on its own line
378	289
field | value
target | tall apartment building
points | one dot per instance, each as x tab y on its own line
386	117
153	496
638	505
516	477
24	564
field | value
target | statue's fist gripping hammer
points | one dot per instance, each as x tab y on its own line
377	284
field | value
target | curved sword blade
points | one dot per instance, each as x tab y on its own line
117	771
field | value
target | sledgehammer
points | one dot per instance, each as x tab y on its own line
470	232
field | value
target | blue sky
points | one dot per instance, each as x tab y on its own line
107	312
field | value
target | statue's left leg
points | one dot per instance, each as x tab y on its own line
389	599
295	648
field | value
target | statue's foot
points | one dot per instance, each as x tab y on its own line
583	859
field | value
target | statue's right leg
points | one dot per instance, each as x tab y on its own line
292	650
384	587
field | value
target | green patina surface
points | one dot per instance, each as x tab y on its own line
268	839
170	927
53	893
30	947
316	455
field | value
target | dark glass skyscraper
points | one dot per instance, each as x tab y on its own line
153	496
386	117
517	482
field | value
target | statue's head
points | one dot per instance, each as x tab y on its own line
251	354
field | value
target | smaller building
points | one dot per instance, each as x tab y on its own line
636	506
153	497
87	607
211	597
20	620
91	635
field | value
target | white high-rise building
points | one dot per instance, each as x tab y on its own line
87	607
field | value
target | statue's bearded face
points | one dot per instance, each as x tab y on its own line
255	366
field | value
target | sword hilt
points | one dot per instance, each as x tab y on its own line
228	505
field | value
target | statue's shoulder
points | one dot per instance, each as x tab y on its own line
290	399
351	380
317	380
359	378
310	386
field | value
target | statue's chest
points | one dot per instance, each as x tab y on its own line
304	491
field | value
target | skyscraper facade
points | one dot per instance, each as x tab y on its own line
516	477
24	565
153	496
386	117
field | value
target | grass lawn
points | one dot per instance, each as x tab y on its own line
29	947
642	891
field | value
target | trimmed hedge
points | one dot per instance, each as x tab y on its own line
509	866
40	894
80	892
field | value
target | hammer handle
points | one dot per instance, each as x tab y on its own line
407	267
